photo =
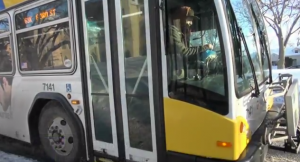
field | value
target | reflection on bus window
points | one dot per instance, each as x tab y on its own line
136	74
196	60
98	70
46	48
245	21
246	81
4	25
261	29
5	55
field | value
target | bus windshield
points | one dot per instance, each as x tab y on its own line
195	56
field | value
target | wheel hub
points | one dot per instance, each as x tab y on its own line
57	137
60	136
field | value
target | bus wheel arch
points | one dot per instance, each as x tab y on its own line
39	104
33	119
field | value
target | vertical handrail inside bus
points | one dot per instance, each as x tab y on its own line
99	73
140	76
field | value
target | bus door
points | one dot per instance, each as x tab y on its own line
120	80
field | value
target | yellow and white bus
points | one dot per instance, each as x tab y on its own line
137	80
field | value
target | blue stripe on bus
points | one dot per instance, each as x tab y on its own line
2	7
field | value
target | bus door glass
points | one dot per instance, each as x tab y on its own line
135	79
133	32
97	46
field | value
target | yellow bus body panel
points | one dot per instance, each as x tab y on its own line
270	102
194	130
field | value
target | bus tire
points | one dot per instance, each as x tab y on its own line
59	134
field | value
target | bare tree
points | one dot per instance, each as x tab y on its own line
283	17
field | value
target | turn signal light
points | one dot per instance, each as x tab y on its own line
223	144
242	127
75	102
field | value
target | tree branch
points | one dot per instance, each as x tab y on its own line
284	13
291	30
272	25
46	55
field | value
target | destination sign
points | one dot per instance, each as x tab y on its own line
42	14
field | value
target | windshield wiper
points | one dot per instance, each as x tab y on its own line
241	35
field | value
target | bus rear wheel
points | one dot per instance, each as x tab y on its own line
59	135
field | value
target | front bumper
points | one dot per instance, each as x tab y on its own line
254	152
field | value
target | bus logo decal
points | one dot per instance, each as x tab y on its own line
68	87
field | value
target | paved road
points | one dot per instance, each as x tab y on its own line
280	156
5	157
273	156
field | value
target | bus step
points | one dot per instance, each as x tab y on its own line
102	160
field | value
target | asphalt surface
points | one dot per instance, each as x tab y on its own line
15	151
6	157
280	156
273	156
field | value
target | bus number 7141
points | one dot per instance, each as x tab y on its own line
49	87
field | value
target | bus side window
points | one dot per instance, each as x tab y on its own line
261	30
48	50
244	74
5	55
5	47
246	23
45	47
246	81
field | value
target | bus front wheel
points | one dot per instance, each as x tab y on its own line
59	135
